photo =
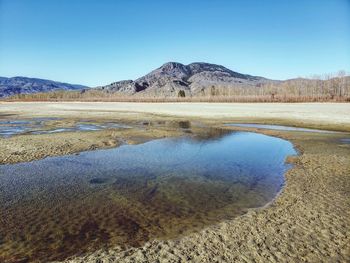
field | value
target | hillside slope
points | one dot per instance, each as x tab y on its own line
193	79
24	85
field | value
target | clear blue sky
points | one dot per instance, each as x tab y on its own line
95	42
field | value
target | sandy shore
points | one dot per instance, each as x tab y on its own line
308	222
304	114
25	148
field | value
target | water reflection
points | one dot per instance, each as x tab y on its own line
13	127
9	128
276	127
345	140
134	193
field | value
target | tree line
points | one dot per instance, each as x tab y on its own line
328	87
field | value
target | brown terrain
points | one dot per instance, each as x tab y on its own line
309	220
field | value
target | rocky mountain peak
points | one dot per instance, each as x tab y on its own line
171	69
170	66
198	67
173	76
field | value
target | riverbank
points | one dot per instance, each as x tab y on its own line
300	114
308	222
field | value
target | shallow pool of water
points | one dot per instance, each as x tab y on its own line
83	127
276	127
10	128
61	206
345	140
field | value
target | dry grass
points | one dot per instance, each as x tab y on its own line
66	96
326	89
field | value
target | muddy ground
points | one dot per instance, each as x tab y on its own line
308	222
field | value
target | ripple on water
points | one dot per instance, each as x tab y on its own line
128	195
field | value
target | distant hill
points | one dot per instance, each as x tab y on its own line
24	85
194	82
193	79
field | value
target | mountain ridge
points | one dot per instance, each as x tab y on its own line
174	79
26	85
193	78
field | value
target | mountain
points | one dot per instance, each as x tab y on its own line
193	79
24	85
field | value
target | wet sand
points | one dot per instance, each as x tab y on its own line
132	194
308	222
29	147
